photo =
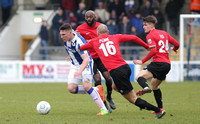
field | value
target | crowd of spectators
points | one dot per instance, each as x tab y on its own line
121	16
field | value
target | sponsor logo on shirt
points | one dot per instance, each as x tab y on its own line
87	33
162	37
149	41
73	44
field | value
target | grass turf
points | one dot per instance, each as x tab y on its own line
18	105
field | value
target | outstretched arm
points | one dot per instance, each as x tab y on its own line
149	56
133	38
175	43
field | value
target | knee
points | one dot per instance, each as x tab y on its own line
137	77
97	79
87	86
72	88
133	100
114	87
154	87
107	76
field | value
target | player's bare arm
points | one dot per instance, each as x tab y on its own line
83	65
149	56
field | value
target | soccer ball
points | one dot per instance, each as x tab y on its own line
43	107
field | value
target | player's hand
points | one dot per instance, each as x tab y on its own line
68	58
174	50
151	47
139	62
77	74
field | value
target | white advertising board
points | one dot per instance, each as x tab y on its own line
57	71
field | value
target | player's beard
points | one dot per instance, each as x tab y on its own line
91	23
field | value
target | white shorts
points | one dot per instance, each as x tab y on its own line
86	75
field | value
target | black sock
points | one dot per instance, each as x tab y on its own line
142	82
145	105
158	97
109	90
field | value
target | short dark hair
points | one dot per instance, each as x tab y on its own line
66	26
150	18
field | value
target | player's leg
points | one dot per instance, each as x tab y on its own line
73	82
161	69
76	89
121	77
96	76
157	92
114	87
97	79
108	80
142	78
132	98
87	84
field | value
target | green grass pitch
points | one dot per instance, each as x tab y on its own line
18	105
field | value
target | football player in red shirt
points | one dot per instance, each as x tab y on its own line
107	47
89	30
160	66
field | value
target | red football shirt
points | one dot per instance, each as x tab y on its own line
107	47
89	33
161	52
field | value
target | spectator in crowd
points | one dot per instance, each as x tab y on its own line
80	13
97	18
40	4
137	22
159	17
89	4
96	2
118	6
57	21
68	6
71	18
112	26
172	12
6	6
56	4
125	28
113	15
136	51
147	9
131	14
131	4
44	39
140	4
74	25
102	12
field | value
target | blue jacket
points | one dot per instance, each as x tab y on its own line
113	29
55	22
6	3
137	22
